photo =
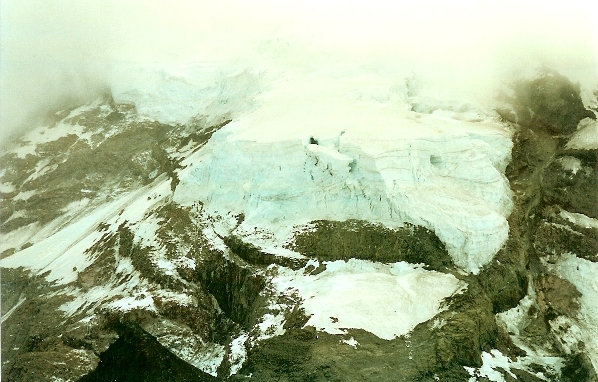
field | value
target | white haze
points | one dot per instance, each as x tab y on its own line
62	53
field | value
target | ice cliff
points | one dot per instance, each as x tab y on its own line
357	151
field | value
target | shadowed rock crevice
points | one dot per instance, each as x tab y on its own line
235	286
137	356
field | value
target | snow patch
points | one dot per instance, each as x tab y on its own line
579	219
6	188
190	347
211	357
24	195
584	275
145	231
166	266
124	296
184	262
138	301
514	321
386	300
270	326
570	164
586	137
491	361
238	353
351	342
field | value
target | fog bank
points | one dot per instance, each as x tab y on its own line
61	53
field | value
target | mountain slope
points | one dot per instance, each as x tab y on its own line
361	234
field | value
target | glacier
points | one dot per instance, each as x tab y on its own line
366	148
356	151
247	183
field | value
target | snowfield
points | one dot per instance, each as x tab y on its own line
385	300
584	275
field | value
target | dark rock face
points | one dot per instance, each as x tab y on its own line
579	368
550	102
37	343
575	191
556	236
332	240
288	356
504	280
557	296
553	182
137	356
235	286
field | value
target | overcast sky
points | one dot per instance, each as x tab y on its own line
58	53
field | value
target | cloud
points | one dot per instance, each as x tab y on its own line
60	53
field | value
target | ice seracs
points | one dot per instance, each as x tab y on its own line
179	93
325	148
